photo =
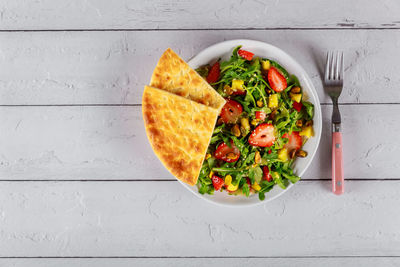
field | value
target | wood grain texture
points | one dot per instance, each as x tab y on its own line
44	68
70	143
164	219
211	262
158	14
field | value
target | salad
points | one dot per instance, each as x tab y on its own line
261	129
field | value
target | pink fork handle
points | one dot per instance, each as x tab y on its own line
337	164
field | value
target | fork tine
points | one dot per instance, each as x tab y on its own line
342	67
327	66
332	70
338	58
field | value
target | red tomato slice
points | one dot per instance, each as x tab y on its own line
231	111
226	153
276	80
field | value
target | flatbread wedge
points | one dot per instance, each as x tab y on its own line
179	131
173	74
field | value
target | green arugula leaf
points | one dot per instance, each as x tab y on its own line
255	174
309	107
246	190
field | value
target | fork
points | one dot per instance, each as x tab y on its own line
333	85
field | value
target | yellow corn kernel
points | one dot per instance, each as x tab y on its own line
232	187
307	131
254	122
211	174
283	154
228	180
260	103
296	97
237	84
256	186
266	64
273	101
208	155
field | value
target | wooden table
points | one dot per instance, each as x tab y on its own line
80	185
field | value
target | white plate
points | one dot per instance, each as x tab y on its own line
224	50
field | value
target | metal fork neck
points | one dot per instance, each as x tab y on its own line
336	118
336	127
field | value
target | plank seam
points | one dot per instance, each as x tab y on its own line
202	29
196	257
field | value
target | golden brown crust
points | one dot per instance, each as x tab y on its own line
179	131
174	75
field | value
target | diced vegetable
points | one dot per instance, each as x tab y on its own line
256	186
283	154
273	101
297	106
266	64
307	131
237	84
296	97
244	126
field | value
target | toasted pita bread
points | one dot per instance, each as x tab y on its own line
173	74
179	131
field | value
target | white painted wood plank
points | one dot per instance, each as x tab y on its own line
164	219
158	14
110	143
112	67
211	262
